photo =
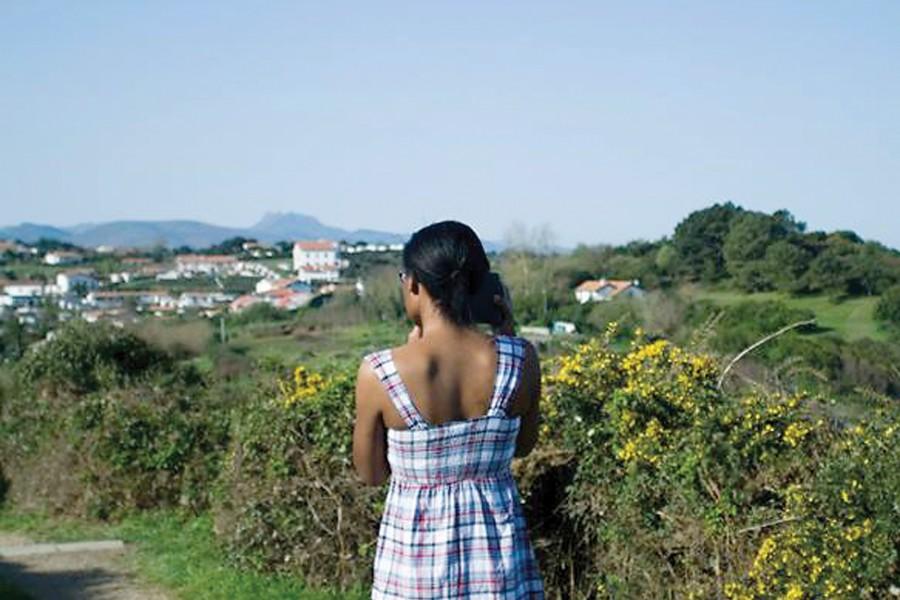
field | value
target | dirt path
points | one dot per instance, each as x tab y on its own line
50	574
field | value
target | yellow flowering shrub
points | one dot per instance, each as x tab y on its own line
664	388
304	384
677	489
838	535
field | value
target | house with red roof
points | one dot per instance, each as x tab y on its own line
598	290
317	260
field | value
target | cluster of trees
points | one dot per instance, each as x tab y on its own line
722	244
761	251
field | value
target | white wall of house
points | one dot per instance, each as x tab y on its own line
317	264
68	282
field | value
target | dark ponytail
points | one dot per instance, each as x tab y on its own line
449	260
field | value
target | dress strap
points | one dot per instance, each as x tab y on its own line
510	357
382	362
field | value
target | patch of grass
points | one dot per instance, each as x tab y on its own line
319	346
176	552
851	319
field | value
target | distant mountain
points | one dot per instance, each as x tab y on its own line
273	227
32	232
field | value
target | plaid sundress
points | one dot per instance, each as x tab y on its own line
453	525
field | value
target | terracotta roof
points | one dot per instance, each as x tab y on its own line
316	244
245	300
592	285
284	292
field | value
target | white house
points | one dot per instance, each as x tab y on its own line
371	247
24	293
62	258
117	299
69	281
596	290
189	264
317	260
558	327
267	285
203	299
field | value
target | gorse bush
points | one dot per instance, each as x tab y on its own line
648	480
289	500
678	490
839	531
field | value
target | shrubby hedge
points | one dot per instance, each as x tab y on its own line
647	481
678	490
289	500
100	422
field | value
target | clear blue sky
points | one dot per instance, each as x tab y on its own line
607	121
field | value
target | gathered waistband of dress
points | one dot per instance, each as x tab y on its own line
421	482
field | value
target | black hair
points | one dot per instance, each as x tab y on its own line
449	260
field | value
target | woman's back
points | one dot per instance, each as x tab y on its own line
453	524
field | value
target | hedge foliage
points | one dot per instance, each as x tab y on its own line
648	481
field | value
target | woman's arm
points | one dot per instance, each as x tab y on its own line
530	391
369	434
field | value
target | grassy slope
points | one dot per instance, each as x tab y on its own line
851	319
313	348
177	553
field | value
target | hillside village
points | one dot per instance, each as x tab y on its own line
125	285
205	283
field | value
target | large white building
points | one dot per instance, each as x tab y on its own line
317	260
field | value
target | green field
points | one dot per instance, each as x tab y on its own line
268	340
851	319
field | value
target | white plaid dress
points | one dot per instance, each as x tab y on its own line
453	525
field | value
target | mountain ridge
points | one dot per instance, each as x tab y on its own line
173	233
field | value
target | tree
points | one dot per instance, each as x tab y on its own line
698	240
744	249
888	307
528	273
233	245
786	264
666	259
835	268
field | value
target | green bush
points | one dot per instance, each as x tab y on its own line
673	488
888	307
647	479
289	500
102	422
148	446
84	357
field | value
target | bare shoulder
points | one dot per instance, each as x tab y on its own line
368	382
